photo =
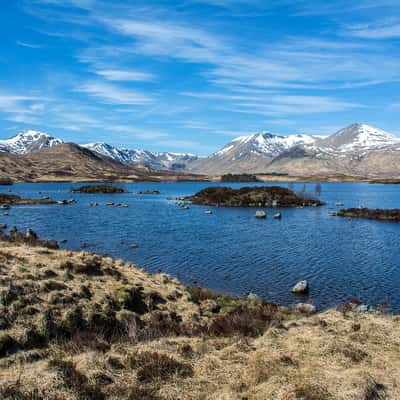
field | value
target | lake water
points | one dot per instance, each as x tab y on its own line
231	250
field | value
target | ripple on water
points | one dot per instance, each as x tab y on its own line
231	250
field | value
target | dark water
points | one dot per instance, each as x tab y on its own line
231	250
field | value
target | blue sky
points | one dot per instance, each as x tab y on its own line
189	75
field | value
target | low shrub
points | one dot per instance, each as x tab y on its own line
244	320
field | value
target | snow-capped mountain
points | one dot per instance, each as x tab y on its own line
28	141
267	152
357	147
263	143
161	160
359	137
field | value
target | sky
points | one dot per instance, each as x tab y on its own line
189	75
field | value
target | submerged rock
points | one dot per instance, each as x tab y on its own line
301	287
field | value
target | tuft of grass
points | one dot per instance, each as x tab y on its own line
131	298
75	380
8	345
153	366
14	391
309	391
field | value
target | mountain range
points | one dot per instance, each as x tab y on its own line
356	150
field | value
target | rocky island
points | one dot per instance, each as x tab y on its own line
12	199
392	215
104	189
257	196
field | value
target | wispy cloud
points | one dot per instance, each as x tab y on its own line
112	94
29	45
388	29
85	4
125	75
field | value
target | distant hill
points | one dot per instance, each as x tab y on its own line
70	162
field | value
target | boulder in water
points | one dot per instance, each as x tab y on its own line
301	287
261	214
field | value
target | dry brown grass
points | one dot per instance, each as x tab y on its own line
80	326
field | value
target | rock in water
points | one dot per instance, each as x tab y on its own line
278	216
31	234
305	308
301	287
261	214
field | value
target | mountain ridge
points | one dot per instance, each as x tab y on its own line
357	147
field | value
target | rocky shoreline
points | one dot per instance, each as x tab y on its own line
257	196
388	215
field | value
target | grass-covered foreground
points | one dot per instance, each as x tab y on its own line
75	325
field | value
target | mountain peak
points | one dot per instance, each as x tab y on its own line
28	141
360	136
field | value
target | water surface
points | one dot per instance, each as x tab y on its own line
231	250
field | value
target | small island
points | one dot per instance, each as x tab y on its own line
104	189
366	213
12	199
239	178
262	196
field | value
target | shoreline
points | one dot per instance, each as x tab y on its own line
261	178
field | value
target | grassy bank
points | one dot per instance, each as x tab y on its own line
81	326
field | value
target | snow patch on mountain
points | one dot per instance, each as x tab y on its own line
264	143
158	160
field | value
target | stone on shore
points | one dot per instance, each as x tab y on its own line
305	308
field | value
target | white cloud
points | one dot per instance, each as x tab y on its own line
125	75
85	4
112	94
377	30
